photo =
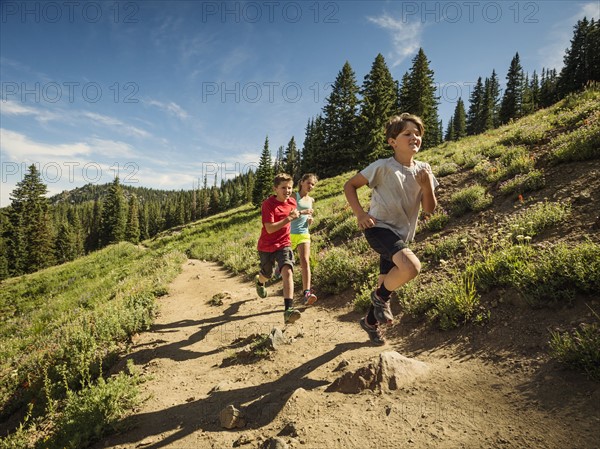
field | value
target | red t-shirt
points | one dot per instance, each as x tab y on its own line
273	211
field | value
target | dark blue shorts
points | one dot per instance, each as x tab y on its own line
386	243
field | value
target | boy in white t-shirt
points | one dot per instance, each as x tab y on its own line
401	186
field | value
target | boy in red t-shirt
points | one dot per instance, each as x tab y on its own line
274	244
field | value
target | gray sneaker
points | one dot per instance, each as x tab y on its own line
383	312
375	333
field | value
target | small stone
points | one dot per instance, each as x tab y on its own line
342	365
275	443
230	418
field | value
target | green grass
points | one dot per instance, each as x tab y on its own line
473	198
579	349
60	326
64	326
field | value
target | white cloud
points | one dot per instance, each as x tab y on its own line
406	37
20	148
11	107
171	107
117	125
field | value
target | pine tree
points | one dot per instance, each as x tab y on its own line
548	88
404	94
264	176
379	103
114	215
4	268
314	145
340	125
450	135
30	243
491	101
93	240
477	110
512	101
579	59
421	99
291	160
460	121
132	229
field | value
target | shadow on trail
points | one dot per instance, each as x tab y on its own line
260	404
176	350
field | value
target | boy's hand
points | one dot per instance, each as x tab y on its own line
306	212
294	214
309	220
423	178
365	221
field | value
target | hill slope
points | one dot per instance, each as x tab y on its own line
513	257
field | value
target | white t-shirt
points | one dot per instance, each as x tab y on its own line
396	196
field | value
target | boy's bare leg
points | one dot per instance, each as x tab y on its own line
287	275
262	279
407	268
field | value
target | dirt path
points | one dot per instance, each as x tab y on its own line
473	396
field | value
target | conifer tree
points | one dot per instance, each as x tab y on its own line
379	102
264	176
421	99
132	229
114	215
491	101
512	100
450	135
340	125
580	58
314	145
31	238
459	119
477	110
4	269
291	160
93	240
404	94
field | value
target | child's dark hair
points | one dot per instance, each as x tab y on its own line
282	177
398	123
308	176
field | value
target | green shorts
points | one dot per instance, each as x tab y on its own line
297	239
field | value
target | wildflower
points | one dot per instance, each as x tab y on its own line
520	198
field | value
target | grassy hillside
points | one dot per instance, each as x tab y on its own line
517	223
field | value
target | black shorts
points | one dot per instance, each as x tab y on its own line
283	256
386	243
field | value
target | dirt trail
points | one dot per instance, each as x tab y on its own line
477	394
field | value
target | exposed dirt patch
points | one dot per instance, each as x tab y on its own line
486	387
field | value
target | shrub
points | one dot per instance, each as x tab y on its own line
528	182
536	219
445	248
580	349
472	198
445	169
579	145
436	221
338	269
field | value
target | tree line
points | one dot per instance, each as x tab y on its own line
37	232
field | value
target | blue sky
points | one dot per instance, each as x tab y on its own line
162	93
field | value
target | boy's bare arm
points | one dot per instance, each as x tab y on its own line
425	180
364	219
274	227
